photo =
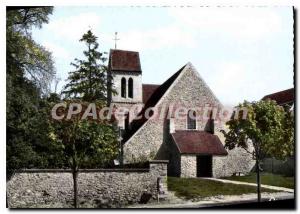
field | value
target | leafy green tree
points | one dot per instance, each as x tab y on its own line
86	143
268	130
29	70
89	80
25	58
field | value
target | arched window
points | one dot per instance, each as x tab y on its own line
123	87
191	119
130	87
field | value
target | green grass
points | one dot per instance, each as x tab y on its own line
267	178
191	188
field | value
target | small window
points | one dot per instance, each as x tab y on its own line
130	87
191	119
123	87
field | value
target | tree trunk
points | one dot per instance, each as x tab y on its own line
75	175
258	180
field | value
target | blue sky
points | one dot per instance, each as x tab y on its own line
241	52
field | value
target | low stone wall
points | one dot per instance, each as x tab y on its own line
96	188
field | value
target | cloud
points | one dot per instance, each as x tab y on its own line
58	51
238	22
73	27
235	81
158	38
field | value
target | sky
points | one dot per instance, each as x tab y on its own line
242	53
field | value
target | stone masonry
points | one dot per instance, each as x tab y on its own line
188	166
188	90
96	188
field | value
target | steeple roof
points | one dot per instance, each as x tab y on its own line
123	60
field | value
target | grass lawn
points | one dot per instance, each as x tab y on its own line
266	178
190	188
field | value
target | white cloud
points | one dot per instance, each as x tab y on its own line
159	38
73	27
237	22
58	51
235	81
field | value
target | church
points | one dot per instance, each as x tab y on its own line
193	146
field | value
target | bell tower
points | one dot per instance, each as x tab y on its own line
124	77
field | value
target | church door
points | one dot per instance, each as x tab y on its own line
204	166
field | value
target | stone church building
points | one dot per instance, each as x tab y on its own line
193	146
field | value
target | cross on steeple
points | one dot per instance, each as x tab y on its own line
116	39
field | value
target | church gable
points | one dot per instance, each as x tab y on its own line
190	89
191	93
186	88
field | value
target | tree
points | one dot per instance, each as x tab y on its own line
89	80
267	130
86	143
25	58
29	70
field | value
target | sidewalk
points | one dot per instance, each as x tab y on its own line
252	184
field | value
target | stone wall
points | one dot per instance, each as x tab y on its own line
237	161
188	166
96	188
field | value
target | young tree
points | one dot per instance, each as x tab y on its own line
88	81
86	143
267	130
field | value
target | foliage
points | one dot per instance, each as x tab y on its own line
88	81
29	70
86	143
267	127
25	58
28	142
197	188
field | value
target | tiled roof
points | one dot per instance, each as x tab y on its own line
198	142
282	97
122	60
148	90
